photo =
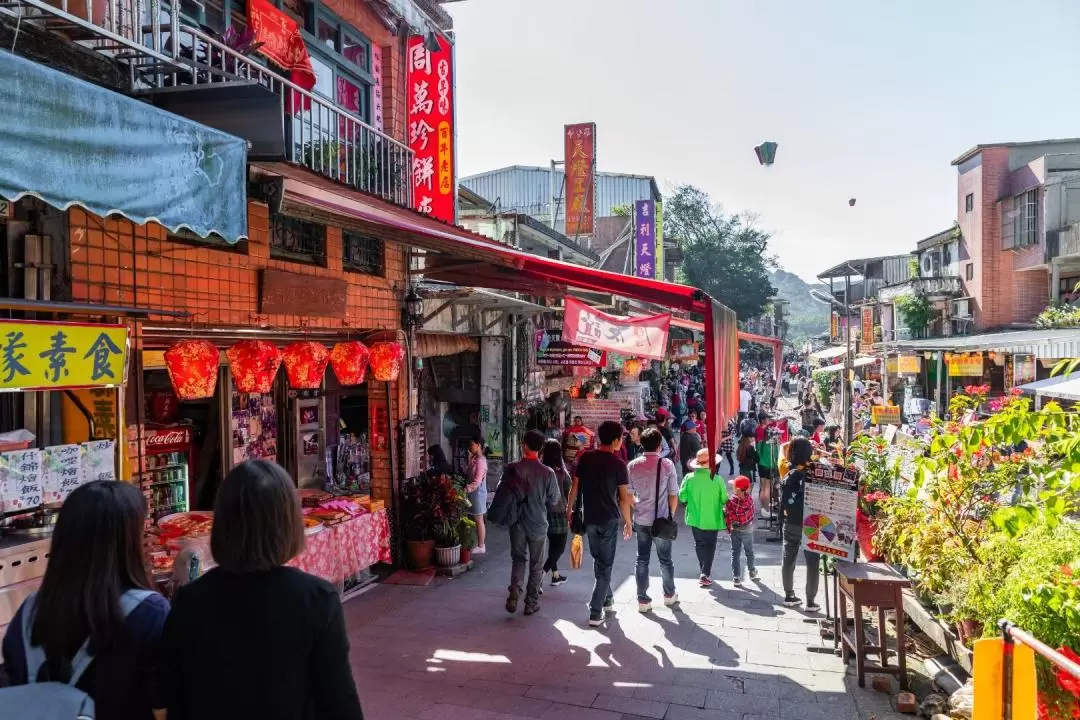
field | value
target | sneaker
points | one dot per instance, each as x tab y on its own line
609	605
754	575
737	582
813	607
557	579
670	600
479	550
644	606
704	581
792	600
512	600
595	621
531	608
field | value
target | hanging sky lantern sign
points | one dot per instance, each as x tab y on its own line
766	153
193	369
305	364
386	360
254	364
350	362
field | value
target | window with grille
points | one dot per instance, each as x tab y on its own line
363	254
297	240
1020	220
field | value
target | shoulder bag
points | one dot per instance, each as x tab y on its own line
662	528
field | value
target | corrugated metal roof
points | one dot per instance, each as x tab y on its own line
527	189
1040	343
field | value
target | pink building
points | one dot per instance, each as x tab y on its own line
1018	210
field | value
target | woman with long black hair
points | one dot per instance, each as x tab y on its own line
558	524
95	623
799	452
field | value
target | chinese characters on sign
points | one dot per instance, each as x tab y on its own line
377	121
885	415
831	499
908	365
963	365
31	478
431	134
43	355
281	42
645	337
645	239
867	326
579	144
660	241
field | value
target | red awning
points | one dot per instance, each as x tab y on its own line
466	258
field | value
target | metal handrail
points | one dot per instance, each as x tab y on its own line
1012	635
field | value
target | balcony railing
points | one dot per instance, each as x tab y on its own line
319	134
1063	242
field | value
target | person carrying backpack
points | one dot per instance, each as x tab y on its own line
86	644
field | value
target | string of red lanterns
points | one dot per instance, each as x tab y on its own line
193	365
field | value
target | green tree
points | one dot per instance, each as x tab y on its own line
724	255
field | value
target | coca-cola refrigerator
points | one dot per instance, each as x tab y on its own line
169	469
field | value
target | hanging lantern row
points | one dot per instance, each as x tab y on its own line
193	365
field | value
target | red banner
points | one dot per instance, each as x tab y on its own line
868	326
431	128
281	41
580	157
644	337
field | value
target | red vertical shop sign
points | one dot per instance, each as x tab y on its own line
580	157
431	128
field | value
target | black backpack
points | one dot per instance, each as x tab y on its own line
505	507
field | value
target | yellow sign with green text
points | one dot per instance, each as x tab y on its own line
885	415
58	356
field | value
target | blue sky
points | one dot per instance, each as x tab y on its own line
868	99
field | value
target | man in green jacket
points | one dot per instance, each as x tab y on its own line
704	496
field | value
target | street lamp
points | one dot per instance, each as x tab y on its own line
412	313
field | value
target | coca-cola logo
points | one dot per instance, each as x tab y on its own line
171	437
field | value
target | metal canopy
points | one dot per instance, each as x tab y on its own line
1041	343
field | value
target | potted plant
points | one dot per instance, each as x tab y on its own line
449	503
417	513
467	534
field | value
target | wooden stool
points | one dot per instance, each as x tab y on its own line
871	585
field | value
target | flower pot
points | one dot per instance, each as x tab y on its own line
448	557
969	631
466	555
420	552
865	527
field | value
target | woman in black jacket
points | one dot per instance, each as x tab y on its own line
253	638
799	452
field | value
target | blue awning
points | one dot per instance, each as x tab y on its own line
69	143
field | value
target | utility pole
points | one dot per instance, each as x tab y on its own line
552	190
845	386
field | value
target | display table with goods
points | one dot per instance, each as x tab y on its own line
345	535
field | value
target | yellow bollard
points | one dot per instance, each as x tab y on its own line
989	669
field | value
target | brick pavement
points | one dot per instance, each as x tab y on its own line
450	651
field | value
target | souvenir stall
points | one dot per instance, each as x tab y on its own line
60	385
235	405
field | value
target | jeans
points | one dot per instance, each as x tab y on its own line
705	547
731	463
792	542
526	550
603	540
556	546
742	541
645	542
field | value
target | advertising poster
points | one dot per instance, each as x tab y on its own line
645	337
254	427
21	480
431	127
831	501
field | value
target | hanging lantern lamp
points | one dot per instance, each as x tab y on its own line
193	369
305	364
766	153
254	364
632	367
386	360
350	362
575	392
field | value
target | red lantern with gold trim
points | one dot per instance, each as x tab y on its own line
350	362
253	363
386	360
193	369
305	364
575	392
632	367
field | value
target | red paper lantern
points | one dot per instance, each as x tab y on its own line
253	363
350	362
632	367
305	364
193	369
575	392
386	360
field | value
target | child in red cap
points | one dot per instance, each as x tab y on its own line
739	513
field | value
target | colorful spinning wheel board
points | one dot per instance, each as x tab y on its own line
819	527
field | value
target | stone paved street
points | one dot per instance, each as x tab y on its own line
450	651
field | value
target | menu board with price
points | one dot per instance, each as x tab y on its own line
830	502
20	480
63	472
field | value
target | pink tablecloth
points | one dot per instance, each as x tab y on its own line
346	548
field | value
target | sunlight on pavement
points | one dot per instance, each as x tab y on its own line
460	656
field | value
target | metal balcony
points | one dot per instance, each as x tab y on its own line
169	56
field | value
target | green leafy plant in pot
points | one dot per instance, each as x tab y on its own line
467	536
